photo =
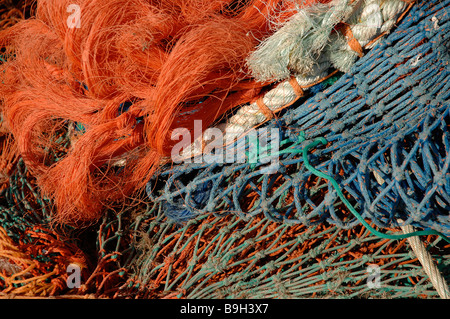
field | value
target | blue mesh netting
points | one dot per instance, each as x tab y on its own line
386	123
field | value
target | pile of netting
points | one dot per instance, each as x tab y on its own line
363	161
139	253
119	77
387	145
387	154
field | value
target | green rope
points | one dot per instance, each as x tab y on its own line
322	140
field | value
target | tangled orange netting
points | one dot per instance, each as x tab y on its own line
170	62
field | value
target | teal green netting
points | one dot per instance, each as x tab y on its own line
227	257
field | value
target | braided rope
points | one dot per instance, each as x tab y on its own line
361	24
428	263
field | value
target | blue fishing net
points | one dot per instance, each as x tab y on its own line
388	145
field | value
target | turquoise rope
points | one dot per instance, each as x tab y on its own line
323	141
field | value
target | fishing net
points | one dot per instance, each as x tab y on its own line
386	128
12	12
211	230
226	257
34	256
